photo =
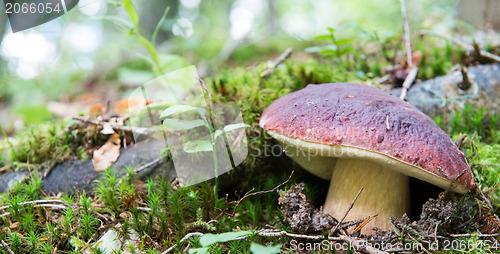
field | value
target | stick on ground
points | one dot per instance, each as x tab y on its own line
413	70
412	75
462	44
332	231
288	52
7	247
358	244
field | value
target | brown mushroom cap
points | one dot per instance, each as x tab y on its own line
365	122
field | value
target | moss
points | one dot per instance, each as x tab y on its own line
437	61
481	147
253	93
36	146
161	215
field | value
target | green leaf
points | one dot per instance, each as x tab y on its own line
198	146
344	41
130	9
150	47
322	37
261	249
209	239
134	76
122	23
143	57
159	105
231	127
177	109
177	124
199	250
158	26
169	62
319	49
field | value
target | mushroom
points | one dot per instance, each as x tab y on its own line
360	136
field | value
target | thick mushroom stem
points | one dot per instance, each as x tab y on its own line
386	193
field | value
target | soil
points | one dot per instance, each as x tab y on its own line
442	220
300	214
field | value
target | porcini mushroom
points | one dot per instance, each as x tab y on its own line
360	136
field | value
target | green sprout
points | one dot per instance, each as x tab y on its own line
196	146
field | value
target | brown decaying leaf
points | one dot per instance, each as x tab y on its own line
107	154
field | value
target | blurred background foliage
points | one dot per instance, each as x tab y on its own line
95	48
103	49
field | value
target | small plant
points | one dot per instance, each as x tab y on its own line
107	190
348	49
159	63
202	119
210	244
208	240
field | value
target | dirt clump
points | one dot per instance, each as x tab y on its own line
449	218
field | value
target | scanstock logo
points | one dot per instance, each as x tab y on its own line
204	139
24	14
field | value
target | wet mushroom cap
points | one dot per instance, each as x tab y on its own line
359	121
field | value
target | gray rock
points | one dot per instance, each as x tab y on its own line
9	179
434	96
79	175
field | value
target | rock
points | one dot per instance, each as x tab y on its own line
72	175
10	179
80	174
433	95
111	243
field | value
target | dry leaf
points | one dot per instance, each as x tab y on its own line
123	105
96	110
107	128
107	154
416	57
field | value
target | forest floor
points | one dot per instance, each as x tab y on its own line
267	204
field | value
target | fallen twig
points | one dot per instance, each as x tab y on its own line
462	44
421	246
364	223
466	82
452	184
186	237
359	244
406	29
410	78
139	130
476	235
150	164
7	247
460	140
332	231
247	195
488	203
288	52
408	81
37	202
